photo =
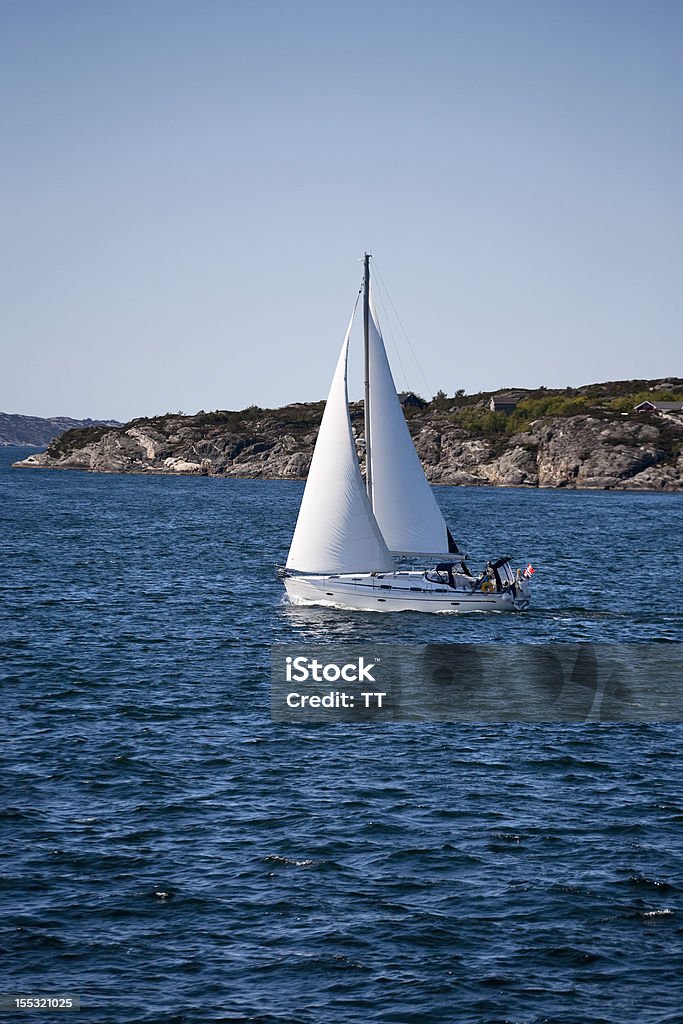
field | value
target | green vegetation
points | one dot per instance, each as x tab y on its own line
481	421
603	401
78	437
550	405
626	403
440	401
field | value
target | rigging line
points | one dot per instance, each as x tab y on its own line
388	326
355	305
379	292
405	333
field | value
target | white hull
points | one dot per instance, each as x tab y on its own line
401	591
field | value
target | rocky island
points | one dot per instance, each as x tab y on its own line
38	431
618	435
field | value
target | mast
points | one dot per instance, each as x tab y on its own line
366	338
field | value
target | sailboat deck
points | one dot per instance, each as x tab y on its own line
405	579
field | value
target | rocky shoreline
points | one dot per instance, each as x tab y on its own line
591	450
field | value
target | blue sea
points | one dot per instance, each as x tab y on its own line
171	854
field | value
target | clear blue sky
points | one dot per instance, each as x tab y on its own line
187	186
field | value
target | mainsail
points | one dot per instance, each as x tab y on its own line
336	531
402	500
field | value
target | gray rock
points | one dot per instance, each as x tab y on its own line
579	451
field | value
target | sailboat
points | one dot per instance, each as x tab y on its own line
382	544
